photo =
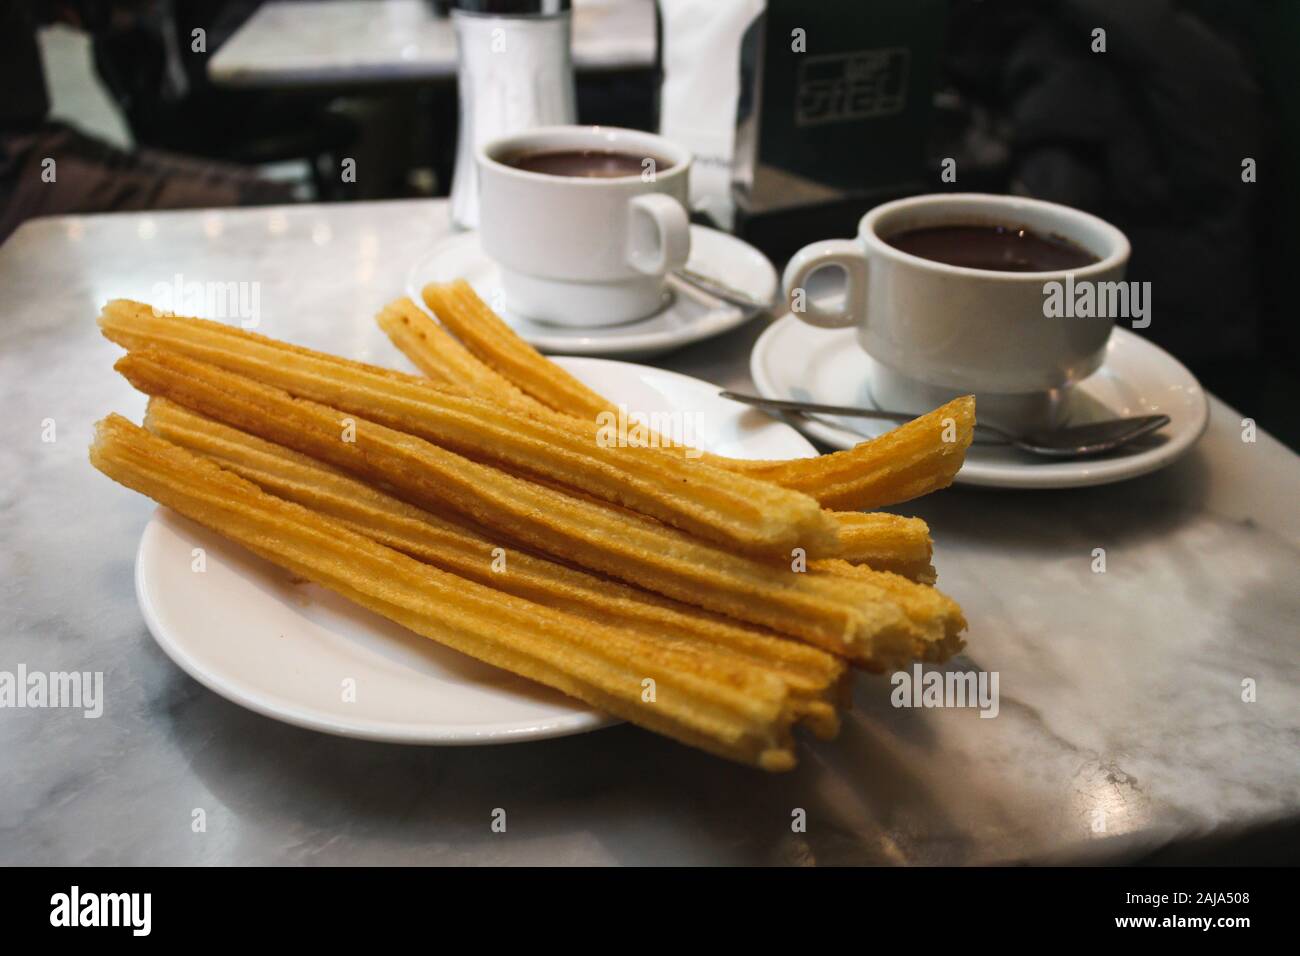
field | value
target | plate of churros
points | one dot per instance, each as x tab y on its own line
289	649
503	546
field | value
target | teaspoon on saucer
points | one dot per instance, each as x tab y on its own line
720	290
1074	441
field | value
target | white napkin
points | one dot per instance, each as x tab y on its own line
701	85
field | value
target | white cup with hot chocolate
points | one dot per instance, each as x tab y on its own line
933	328
584	222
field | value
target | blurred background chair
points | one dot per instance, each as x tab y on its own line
170	103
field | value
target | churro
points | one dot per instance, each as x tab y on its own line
937	619
852	616
436	353
887	542
919	457
701	699
812	675
913	459
881	541
481	330
753	515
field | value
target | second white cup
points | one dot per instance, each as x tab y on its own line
933	331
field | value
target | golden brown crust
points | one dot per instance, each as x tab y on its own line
753	515
810	673
938	619
855	618
883	542
479	507
910	461
437	354
887	542
702	699
914	459
481	331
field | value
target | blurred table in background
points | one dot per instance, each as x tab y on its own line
350	43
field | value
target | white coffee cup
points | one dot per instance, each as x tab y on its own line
933	331
584	251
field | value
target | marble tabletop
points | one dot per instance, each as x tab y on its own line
1121	719
358	42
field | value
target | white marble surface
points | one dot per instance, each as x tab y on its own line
1120	692
355	42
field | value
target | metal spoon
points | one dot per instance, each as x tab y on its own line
1075	441
720	290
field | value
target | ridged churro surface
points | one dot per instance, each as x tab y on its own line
853	617
706	700
882	541
919	457
481	506
811	674
753	515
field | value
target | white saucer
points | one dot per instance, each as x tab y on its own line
245	629
689	314
793	361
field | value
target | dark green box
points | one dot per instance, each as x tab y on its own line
849	115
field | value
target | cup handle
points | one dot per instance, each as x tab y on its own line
847	255
658	234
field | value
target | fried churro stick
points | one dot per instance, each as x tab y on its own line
910	461
437	354
886	542
752	515
702	700
812	675
469	318
938	618
914	459
442	357
853	617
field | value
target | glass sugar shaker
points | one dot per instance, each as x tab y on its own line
516	73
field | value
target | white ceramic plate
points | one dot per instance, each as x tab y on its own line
688	316
794	361
245	629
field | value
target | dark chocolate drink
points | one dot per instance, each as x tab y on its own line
586	163
996	248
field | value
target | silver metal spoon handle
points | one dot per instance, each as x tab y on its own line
720	290
784	405
848	411
1069	442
